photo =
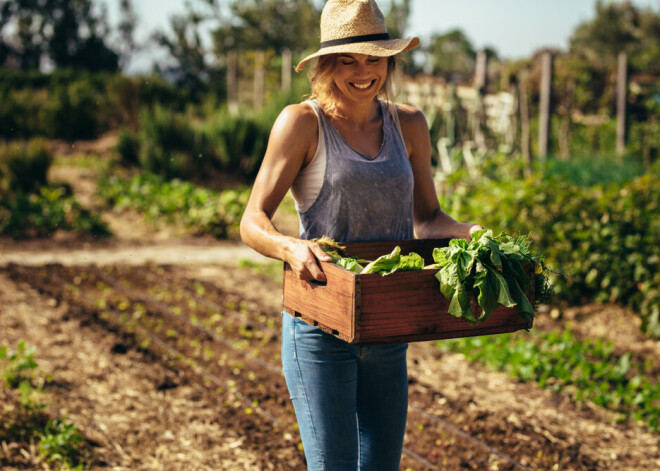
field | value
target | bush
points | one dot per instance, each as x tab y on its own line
40	214
604	239
23	166
72	111
170	147
128	148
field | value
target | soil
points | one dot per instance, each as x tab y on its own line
163	349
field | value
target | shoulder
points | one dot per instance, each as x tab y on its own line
415	130
409	116
295	131
299	118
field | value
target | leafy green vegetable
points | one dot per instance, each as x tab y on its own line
491	268
349	264
394	262
385	263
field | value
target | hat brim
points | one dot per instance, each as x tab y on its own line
385	48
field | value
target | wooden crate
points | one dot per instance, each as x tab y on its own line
401	307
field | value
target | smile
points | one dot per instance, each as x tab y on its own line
363	86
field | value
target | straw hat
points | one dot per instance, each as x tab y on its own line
356	26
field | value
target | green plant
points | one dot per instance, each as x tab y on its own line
586	369
177	202
171	147
17	366
60	442
17	371
24	166
605	240
490	269
41	214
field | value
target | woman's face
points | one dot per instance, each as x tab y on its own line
360	77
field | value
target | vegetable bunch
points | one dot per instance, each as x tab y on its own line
490	269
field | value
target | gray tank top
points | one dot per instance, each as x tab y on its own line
362	199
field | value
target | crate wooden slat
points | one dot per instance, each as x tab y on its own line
401	307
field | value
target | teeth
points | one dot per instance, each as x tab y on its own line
362	86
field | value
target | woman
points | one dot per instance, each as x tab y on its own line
359	169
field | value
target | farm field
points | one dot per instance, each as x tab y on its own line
163	349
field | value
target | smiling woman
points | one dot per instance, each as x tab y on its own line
359	169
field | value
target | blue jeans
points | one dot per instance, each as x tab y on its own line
351	401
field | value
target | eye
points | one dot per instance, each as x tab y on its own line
374	60
347	62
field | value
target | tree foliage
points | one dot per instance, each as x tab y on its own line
619	27
268	24
69	33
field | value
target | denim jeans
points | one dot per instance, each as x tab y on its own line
350	401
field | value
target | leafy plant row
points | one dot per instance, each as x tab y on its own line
603	239
177	202
588	370
26	422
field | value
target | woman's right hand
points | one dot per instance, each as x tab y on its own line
303	256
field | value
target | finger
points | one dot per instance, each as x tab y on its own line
317	272
320	254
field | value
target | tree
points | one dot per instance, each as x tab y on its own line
452	55
268	24
191	67
70	33
396	18
126	44
619	26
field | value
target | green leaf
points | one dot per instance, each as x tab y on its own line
465	261
523	306
488	297
460	305
410	262
449	280
440	257
384	264
349	264
503	295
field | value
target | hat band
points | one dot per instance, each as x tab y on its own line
355	39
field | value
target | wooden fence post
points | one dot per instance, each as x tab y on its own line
621	97
232	82
480	78
286	70
524	122
544	113
259	78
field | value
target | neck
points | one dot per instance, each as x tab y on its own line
360	113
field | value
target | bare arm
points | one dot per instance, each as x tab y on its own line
429	219
292	142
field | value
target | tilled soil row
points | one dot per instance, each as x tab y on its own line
227	337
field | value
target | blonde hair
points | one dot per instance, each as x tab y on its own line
325	92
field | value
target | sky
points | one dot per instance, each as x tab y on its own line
514	28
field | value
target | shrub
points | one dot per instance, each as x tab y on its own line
128	148
72	111
23	166
40	214
605	240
